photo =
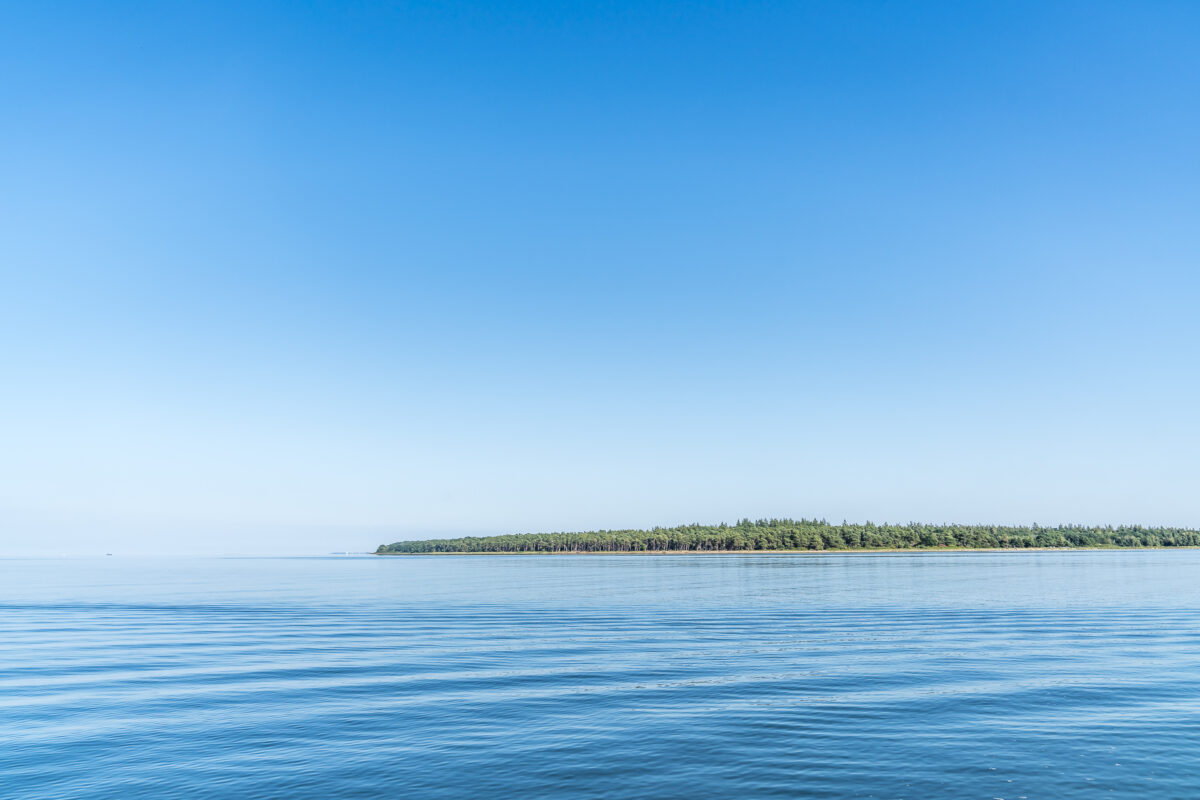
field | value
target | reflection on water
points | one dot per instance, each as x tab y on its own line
1058	674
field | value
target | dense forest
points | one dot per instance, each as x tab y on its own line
806	534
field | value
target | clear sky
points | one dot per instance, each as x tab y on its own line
317	276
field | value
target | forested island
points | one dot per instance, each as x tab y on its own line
806	534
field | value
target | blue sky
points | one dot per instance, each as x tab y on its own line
318	276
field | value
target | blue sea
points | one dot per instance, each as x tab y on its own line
974	675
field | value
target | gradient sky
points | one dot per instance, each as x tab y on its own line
313	277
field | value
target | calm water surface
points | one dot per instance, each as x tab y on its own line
1022	675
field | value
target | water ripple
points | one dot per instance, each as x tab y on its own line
283	678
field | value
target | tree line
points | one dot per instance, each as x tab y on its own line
806	534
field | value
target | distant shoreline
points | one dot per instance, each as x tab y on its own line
844	551
813	536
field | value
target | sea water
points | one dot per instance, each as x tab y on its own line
975	675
